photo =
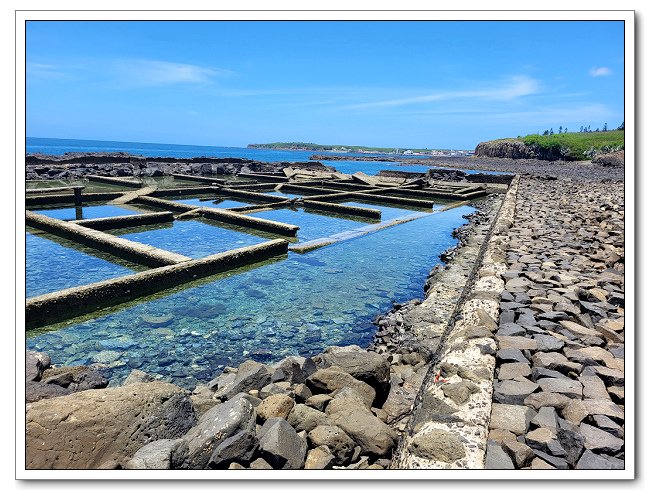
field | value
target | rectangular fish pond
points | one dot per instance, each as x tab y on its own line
54	264
292	305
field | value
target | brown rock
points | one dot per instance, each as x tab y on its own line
276	405
86	429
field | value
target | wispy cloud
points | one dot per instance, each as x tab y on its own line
602	71
516	87
150	73
47	71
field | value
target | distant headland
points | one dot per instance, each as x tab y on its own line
310	146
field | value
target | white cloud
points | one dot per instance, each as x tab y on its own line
144	72
46	71
602	71
518	86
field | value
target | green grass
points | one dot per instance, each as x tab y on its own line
577	145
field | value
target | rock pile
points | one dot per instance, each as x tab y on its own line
559	389
78	165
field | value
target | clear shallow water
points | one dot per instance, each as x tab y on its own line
212	203
53	266
286	195
296	305
312	225
191	238
86	212
389	212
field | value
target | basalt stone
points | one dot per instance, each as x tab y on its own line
591	461
161	454
513	392
510	329
331	379
607	424
521	453
598	440
319	458
558	463
554	316
86	429
609	375
35	364
604	407
276	405
368	431
486	320
305	418
541	399
281	446
506	317
589	355
511	355
260	464
496	458
513	418
555	361
240	447
548	343
138	376
438	445
276	388
215	426
366	366
538	373
540	438
319	401
568	387
336	440
509	371
572	442
476	332
250	375
431	409
546	417
35	391
520	343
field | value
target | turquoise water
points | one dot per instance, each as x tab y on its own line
286	195
54	264
296	305
212	203
390	212
312	225
191	238
86	212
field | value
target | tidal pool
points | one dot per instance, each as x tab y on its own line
212	202
298	304
87	212
192	238
390	212
54	264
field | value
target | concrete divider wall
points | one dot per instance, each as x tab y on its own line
125	249
32	201
126	220
115	180
236	219
248	195
58	306
343	209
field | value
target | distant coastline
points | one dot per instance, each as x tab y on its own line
310	146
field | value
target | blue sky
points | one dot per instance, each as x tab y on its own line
377	83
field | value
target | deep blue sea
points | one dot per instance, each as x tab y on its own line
61	146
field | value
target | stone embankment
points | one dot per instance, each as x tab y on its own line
559	381
79	165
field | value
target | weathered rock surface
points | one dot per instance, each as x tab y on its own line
87	429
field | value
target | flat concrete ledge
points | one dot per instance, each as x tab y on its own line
268	176
126	220
370	213
198	178
248	195
52	189
57	306
236	219
69	199
120	181
173	206
125	249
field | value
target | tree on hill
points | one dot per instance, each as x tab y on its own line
621	126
